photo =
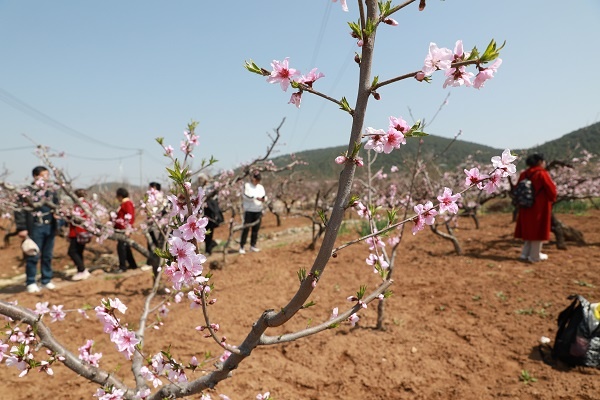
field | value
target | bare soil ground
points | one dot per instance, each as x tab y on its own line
457	327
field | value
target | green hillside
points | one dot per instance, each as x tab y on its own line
433	149
571	144
321	164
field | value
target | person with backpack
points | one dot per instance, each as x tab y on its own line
534	222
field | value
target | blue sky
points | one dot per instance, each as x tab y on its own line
100	80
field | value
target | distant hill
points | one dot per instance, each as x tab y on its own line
571	144
321	165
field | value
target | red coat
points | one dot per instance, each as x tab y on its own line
74	229
534	223
127	208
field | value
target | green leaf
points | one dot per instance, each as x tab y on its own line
322	215
384	8
355	27
391	216
301	275
491	52
375	81
383	273
474	55
370	28
357	146
416	134
345	106
361	292
252	67
309	304
415	130
353	199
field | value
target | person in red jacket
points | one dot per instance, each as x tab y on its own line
533	224
124	223
79	237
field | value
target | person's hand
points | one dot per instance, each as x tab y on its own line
22	234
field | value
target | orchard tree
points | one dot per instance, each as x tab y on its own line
161	375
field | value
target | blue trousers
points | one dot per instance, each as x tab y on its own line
43	235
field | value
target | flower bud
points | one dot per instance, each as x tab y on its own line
420	76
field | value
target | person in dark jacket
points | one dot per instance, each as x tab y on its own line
534	223
155	211
79	237
211	211
35	219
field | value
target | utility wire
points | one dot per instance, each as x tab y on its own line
101	159
20	105
18	148
317	48
72	155
348	61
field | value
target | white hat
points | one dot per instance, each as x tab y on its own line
29	247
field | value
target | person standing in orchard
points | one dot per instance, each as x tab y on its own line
211	211
156	209
534	223
35	219
124	223
79	237
253	199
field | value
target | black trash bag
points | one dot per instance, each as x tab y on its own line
577	340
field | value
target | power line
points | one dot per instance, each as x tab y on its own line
320	35
348	60
317	48
74	156
101	159
25	108
18	148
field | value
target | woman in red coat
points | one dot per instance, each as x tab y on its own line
533	224
124	223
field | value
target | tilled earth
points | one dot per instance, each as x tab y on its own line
457	327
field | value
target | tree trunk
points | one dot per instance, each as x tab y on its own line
565	233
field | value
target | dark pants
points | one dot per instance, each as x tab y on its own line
76	253
209	243
250	217
157	242
125	255
43	235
